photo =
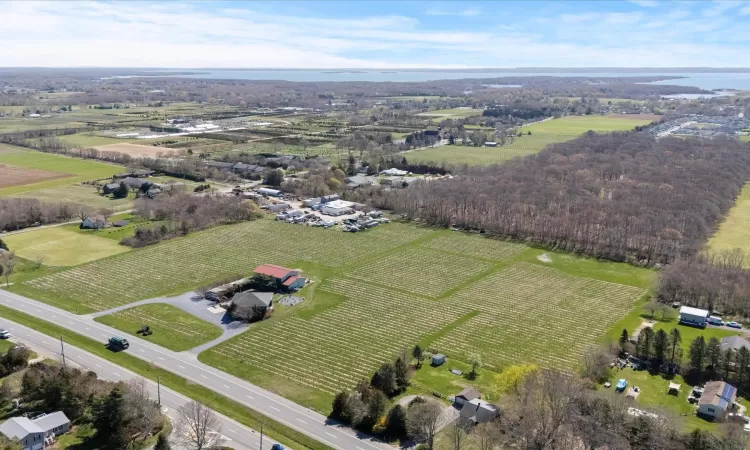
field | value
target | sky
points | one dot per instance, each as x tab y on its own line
386	34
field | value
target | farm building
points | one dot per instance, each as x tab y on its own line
478	411
394	172
269	192
38	433
251	299
490	144
437	360
356	181
140	173
466	395
288	278
110	188
693	316
94	223
219	292
734	343
717	400
337	208
310	202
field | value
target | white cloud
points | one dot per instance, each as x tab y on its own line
468	12
194	35
645	3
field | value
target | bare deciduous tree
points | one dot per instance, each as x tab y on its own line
198	427
458	433
143	412
487	435
7	265
422	421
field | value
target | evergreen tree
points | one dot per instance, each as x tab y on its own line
122	191
727	358
162	443
661	342
385	379
697	355
4	246
645	342
675	339
109	417
418	354
713	354
742	363
337	409
403	374
623	339
395	427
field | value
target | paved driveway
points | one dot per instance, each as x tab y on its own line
196	305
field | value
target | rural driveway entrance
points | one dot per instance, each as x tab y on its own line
196	305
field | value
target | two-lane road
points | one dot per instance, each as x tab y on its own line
235	434
187	366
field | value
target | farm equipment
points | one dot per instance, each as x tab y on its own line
145	331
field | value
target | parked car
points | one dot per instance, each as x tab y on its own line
277	447
715	320
734	324
621	385
4	334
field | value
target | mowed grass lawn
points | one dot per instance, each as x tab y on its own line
81	170
542	134
734	231
172	327
61	247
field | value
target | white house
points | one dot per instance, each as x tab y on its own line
269	192
717	400
693	316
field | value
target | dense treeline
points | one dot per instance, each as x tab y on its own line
182	213
716	281
620	196
17	213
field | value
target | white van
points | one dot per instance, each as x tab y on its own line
715	320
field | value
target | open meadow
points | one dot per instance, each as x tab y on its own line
373	294
452	112
542	134
172	327
58	246
734	231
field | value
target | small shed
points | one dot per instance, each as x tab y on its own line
437	360
674	388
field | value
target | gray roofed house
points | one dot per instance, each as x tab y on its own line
734	343
110	188
38	433
478	411
133	182
356	181
467	395
250	299
242	167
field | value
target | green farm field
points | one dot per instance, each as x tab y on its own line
734	231
745	138
79	169
543	133
474	156
452	112
172	327
62	247
472	294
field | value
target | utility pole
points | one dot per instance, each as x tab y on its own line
261	436
158	390
62	350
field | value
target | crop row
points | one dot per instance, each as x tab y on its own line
337	347
200	258
538	314
477	246
421	270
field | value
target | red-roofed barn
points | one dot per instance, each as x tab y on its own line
289	278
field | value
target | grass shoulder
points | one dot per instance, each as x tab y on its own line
223	405
171	327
